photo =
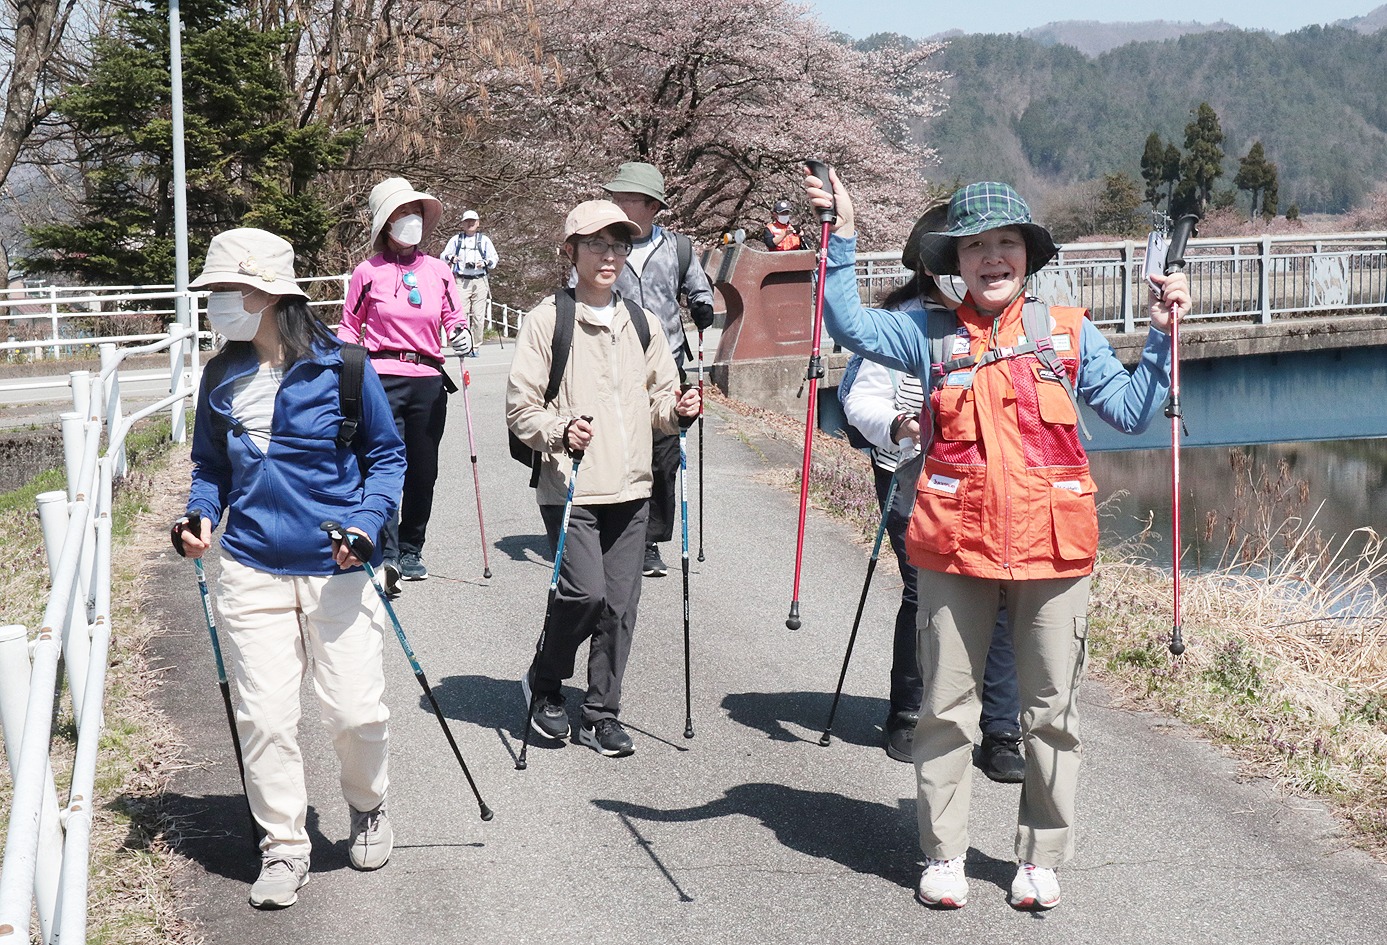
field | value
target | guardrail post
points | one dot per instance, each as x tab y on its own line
14	702
53	519
1129	296
1264	302
179	410
110	370
73	436
53	317
80	382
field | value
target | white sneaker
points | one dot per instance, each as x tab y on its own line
281	878
942	884
1035	887
372	838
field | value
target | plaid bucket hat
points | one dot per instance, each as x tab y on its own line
976	209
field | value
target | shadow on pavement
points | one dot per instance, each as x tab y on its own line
213	830
491	703
526	548
858	721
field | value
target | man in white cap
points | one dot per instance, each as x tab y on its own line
472	255
618	387
660	268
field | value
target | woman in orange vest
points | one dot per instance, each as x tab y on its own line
780	233
1004	506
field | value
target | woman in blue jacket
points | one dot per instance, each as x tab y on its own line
266	452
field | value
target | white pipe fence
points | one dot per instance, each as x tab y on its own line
47	851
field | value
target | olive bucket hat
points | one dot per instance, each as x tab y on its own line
976	209
637	177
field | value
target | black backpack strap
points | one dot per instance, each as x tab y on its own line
683	248
567	313
349	392
640	322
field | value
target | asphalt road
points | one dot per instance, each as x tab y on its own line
749	832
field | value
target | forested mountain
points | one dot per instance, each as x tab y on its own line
1045	116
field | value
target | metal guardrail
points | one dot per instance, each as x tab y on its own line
47	850
1258	280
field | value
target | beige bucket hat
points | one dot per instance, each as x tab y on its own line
250	257
390	195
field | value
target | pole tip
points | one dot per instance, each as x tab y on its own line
688	730
700	556
520	764
792	621
487	813
486	573
824	740
1177	648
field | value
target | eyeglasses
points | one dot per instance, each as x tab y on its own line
412	281
601	247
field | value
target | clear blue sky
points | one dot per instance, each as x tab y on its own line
917	18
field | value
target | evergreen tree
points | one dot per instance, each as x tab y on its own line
1257	176
1153	169
1203	161
248	162
1119	206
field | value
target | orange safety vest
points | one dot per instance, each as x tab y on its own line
784	235
1005	492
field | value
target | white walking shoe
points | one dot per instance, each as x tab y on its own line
942	884
281	878
1035	887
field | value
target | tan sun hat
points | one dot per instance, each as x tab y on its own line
390	195
592	216
250	257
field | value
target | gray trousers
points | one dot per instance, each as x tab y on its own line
599	590
1050	631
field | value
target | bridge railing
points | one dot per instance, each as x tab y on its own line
1248	280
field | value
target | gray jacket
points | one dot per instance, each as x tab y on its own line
657	288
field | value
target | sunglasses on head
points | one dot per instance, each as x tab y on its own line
412	282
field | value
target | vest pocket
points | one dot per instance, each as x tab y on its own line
1052	399
1074	520
937	520
958	415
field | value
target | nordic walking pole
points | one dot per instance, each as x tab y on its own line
700	444
476	477
861	604
1175	262
815	371
194	525
521	763
362	548
684	424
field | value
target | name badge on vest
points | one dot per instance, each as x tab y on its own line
959	379
942	483
1061	342
1045	374
961	345
1069	485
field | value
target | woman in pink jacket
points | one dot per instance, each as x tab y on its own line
397	304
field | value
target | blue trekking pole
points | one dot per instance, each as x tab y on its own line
193	522
520	763
684	424
362	548
861	604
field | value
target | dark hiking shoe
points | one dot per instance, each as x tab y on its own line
608	737
372	838
900	734
412	567
550	719
281	878
999	757
392	578
654	567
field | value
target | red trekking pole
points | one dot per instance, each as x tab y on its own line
476	477
812	375
1175	262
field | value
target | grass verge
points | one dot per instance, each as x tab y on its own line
131	878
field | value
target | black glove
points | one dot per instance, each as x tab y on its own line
193	523
702	314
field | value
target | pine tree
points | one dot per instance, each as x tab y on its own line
1203	161
1153	169
1257	176
248	162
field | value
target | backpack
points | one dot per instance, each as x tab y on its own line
348	399
562	342
940	328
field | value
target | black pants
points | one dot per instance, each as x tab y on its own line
599	590
1001	696
664	470
420	407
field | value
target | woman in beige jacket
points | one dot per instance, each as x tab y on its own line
628	388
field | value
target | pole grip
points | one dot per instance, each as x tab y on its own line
360	545
820	170
1179	236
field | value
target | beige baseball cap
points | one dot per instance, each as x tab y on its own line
250	257
592	216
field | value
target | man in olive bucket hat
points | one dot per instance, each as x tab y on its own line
1004	505
661	267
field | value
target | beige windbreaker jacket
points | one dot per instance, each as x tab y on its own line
627	391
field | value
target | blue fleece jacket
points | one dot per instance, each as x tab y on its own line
277	500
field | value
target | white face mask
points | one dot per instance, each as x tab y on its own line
782	218
952	288
226	312
408	230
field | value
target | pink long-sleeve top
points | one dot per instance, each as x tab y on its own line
377	312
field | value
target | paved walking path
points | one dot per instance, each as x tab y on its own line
750	831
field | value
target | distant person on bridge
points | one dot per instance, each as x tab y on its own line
622	376
473	255
884	406
266	454
780	234
397	302
1004	504
660	268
